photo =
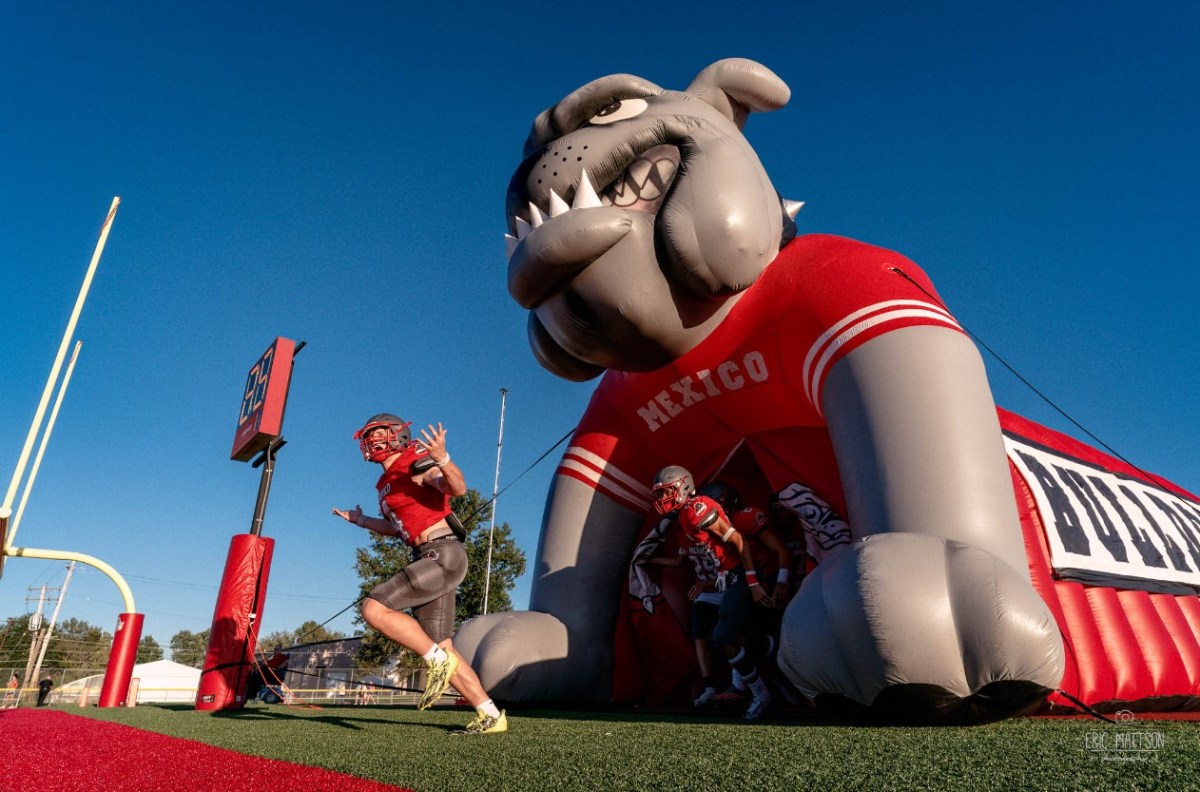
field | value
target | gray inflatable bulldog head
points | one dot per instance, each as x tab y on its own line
639	214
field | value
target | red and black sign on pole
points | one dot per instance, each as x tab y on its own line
260	420
243	593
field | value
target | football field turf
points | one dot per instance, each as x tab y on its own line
547	749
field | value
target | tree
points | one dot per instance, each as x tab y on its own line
189	648
313	632
149	650
78	644
384	557
308	632
74	644
15	640
281	638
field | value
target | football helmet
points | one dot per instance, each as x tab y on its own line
672	487
378	446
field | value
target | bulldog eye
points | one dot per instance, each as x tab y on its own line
619	111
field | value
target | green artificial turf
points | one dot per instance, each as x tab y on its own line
623	750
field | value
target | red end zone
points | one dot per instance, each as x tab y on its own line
54	750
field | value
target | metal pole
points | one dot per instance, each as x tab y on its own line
487	575
264	483
34	645
6	506
41	452
37	668
92	561
58	360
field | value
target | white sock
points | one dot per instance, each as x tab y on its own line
738	682
435	655
759	688
488	709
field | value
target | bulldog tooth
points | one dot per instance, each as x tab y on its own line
557	205
792	207
510	245
535	215
585	194
664	171
523	228
638	172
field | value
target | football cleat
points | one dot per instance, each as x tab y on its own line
438	680
758	708
704	698
485	724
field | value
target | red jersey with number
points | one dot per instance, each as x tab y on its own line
408	506
709	554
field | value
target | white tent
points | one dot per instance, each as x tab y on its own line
160	681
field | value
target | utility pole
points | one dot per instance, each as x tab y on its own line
487	575
35	627
37	668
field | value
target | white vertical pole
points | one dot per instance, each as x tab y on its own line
6	507
37	460
487	576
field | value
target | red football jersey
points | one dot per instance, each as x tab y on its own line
709	554
408	506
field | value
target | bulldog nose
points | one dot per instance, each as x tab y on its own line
560	166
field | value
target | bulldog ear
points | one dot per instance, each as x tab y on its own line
737	87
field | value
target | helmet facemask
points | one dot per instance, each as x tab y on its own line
382	437
668	497
672	488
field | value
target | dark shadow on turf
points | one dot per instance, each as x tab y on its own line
804	717
355	723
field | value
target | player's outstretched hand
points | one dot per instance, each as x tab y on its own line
434	441
350	515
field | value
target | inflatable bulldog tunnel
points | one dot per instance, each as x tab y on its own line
989	562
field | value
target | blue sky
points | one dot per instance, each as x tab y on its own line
335	173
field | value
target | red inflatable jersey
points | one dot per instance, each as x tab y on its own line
1113	551
757	378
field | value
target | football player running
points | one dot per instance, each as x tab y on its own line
414	499
717	547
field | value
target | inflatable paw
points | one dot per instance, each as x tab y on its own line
961	637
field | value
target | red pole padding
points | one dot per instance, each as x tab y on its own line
121	658
235	624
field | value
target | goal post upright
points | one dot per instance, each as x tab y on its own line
129	623
10	495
